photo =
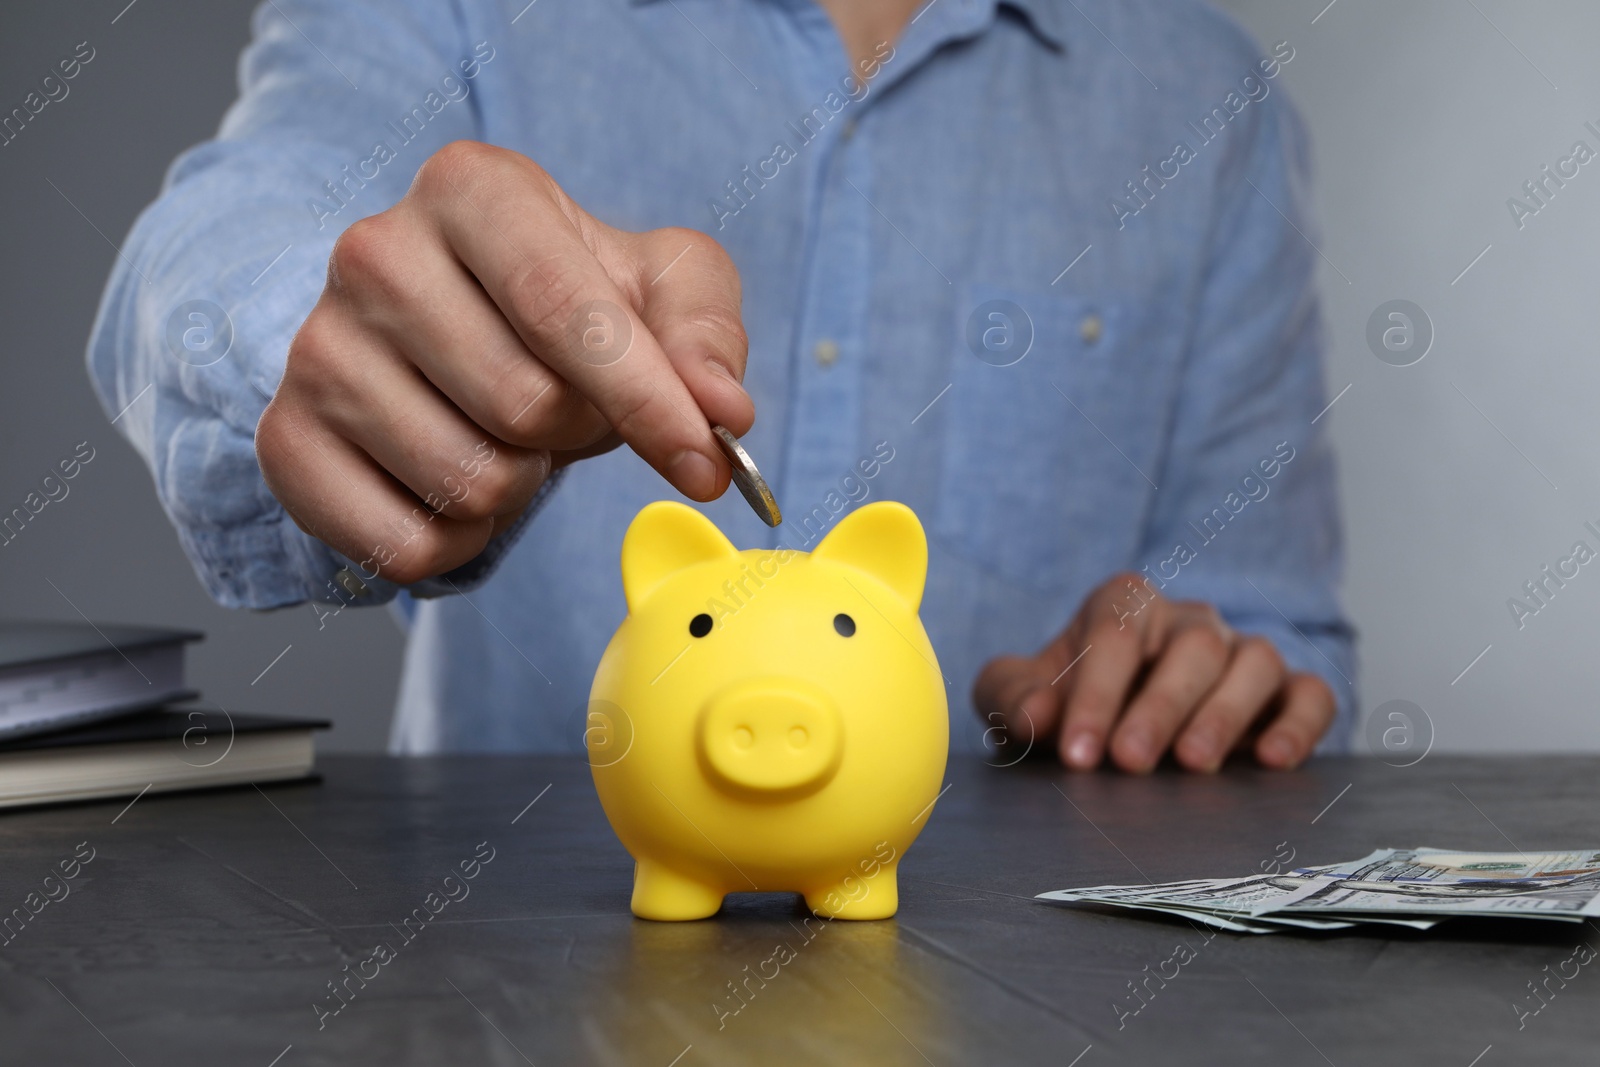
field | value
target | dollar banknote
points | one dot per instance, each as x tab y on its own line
1415	887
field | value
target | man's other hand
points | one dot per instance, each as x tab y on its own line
1135	675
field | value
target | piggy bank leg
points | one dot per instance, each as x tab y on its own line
664	894
855	897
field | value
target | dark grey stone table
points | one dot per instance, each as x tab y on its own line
210	929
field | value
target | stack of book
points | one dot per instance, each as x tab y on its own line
90	712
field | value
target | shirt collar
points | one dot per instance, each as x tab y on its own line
1043	17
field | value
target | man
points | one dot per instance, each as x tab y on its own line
1035	268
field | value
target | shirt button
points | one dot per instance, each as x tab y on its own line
826	352
1089	329
350	583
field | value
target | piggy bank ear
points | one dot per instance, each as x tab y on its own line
885	540
663	539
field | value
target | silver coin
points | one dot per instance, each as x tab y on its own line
745	475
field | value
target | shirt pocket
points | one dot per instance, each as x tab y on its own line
1032	486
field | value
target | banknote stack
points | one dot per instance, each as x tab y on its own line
1411	887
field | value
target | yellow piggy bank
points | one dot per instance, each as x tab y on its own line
769	720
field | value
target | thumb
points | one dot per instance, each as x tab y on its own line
1013	693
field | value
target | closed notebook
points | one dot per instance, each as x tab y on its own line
58	674
155	751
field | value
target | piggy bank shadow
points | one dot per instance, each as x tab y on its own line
768	982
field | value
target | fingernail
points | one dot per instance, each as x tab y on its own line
693	473
1278	751
1136	749
722	370
541	461
1083	751
1201	748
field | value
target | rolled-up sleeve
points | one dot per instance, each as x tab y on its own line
1248	517
339	104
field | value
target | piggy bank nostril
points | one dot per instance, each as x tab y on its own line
743	736
799	737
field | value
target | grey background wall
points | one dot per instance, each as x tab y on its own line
159	81
1467	472
1463	474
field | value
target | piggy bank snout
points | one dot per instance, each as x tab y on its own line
777	736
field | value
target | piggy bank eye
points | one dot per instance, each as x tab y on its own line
844	624
700	625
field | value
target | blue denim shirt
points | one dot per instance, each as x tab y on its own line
1045	274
